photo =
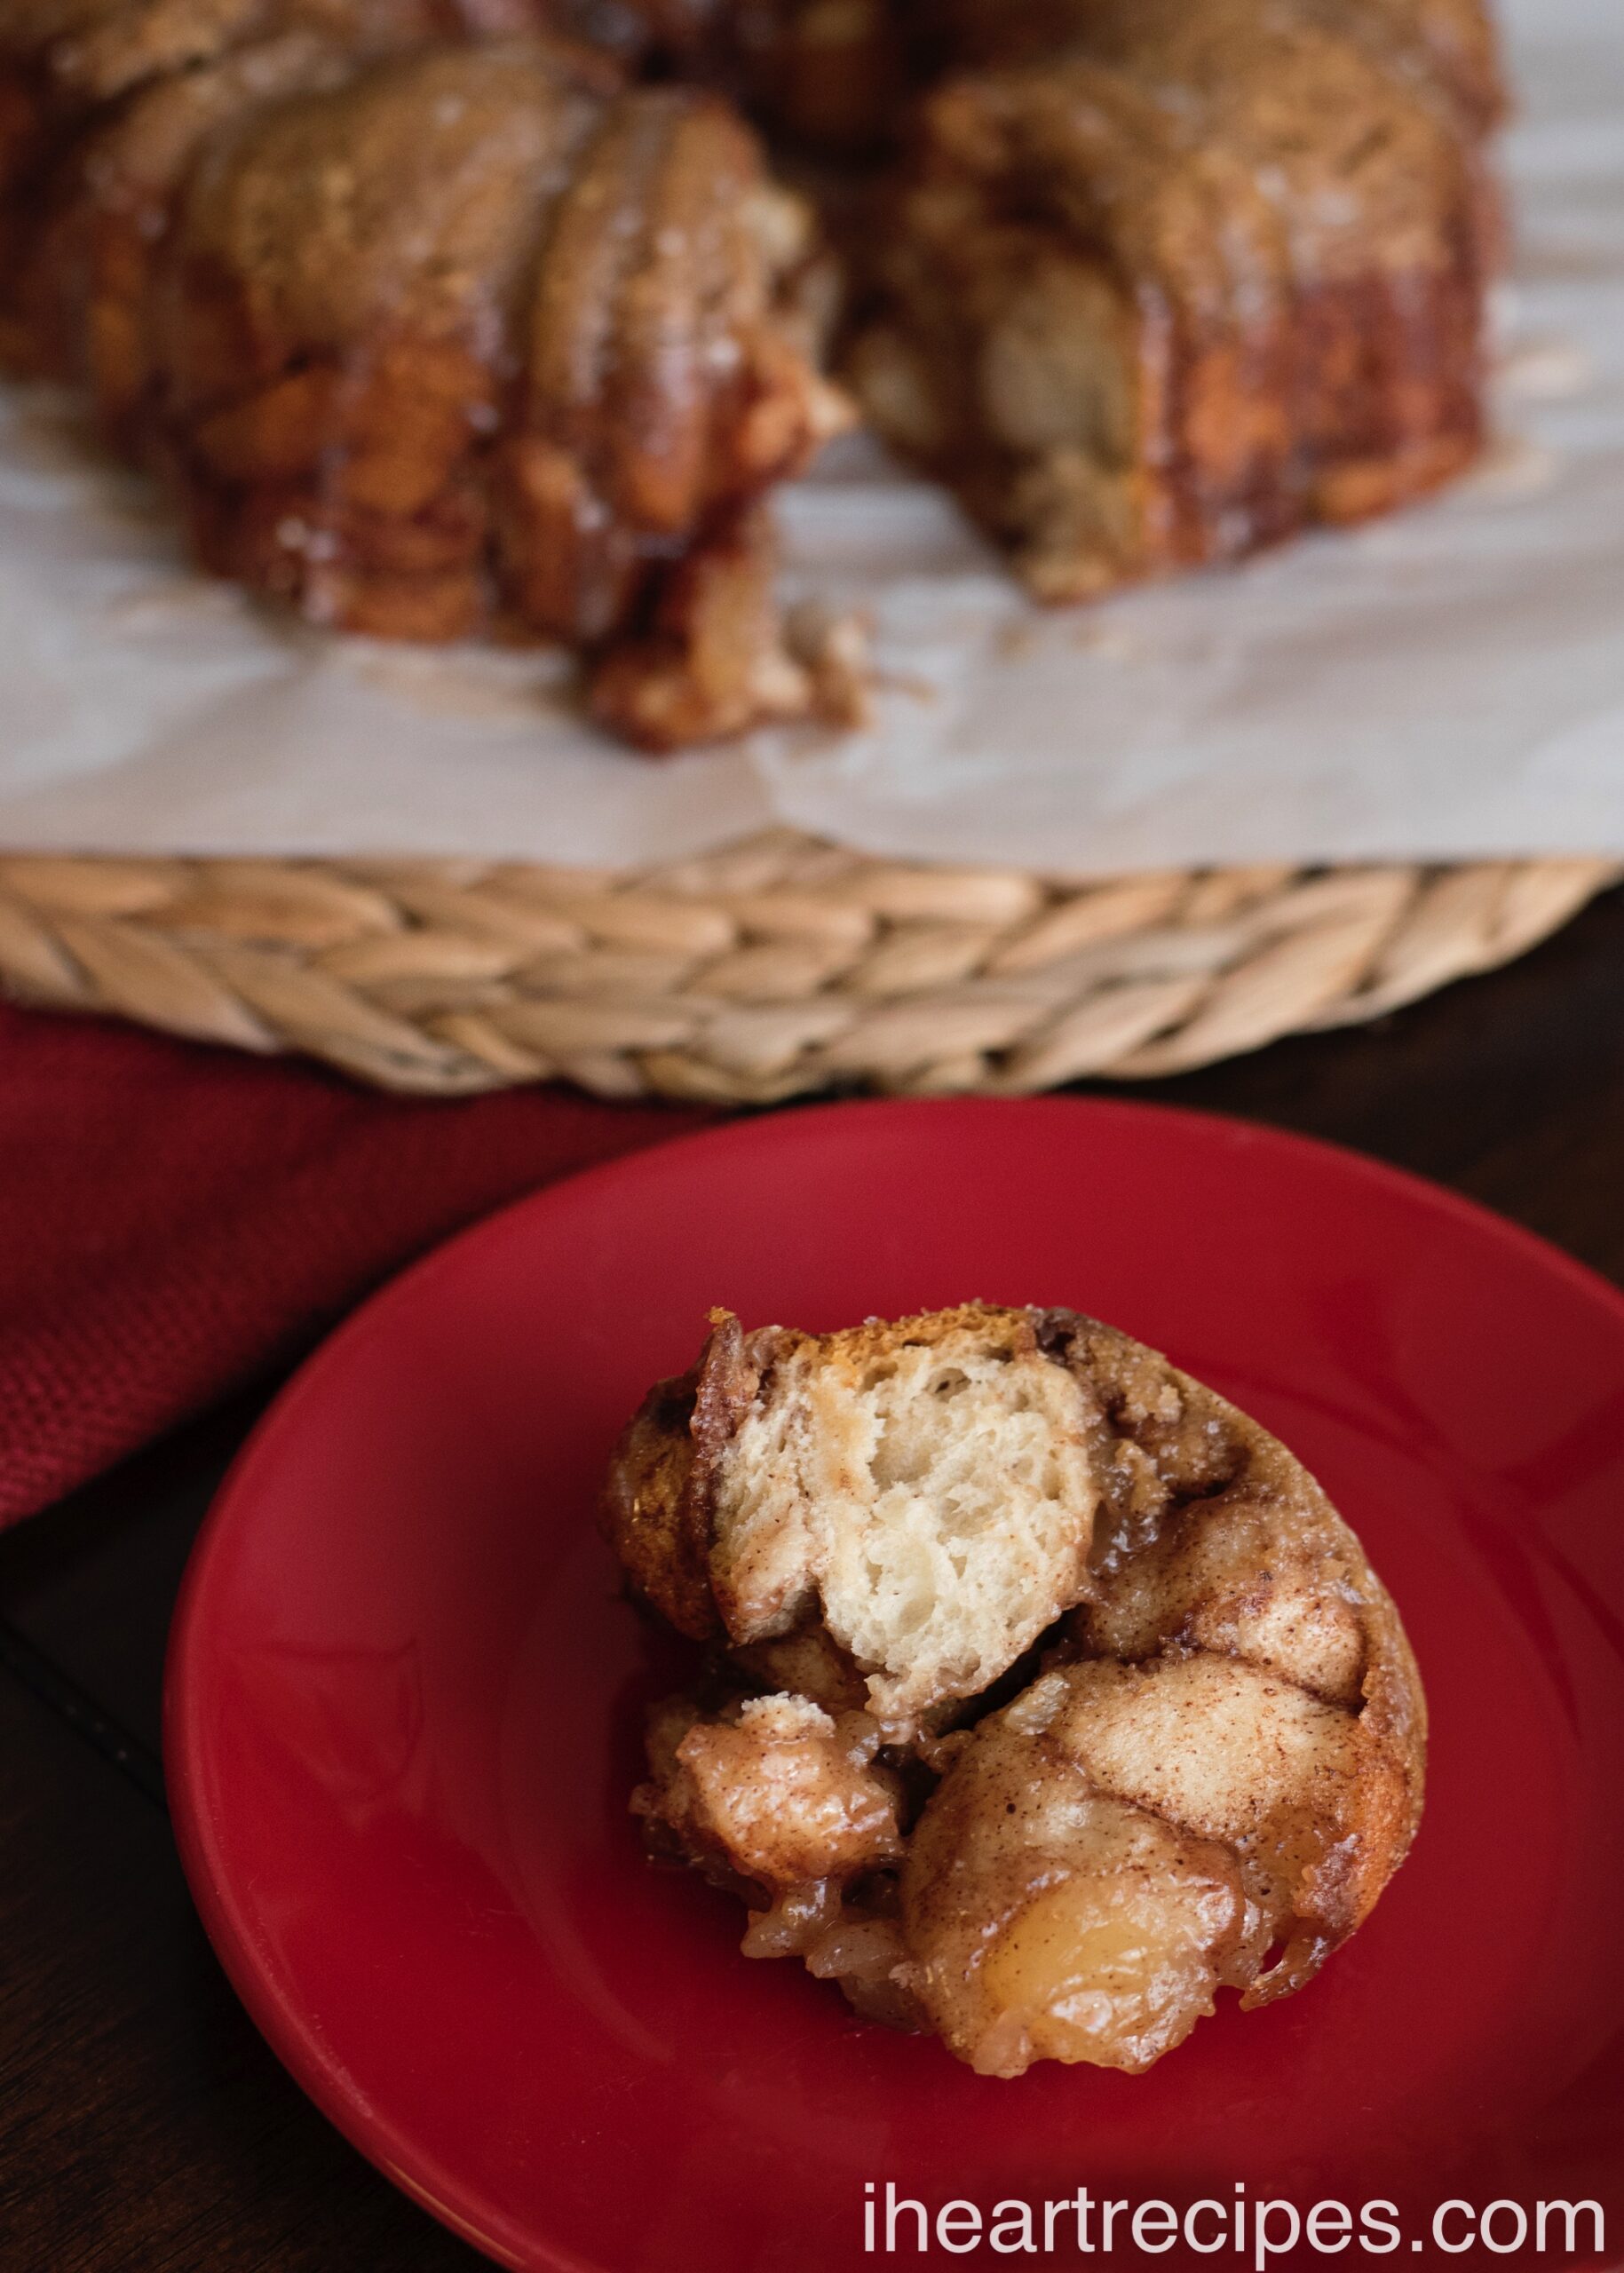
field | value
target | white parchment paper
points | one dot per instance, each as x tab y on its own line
1448	684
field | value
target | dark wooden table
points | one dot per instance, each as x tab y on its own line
143	2126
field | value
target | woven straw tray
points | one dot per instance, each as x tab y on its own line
774	969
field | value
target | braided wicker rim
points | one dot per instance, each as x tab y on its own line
776	968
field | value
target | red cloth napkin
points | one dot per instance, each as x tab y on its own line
174	1220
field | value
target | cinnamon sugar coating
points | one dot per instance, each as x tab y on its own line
1452	43
1200	1774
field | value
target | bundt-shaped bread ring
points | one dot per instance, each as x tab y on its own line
1082	1702
431	331
1210	274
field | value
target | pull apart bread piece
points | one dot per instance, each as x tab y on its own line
1046	1693
1211	271
899	1510
1123	1841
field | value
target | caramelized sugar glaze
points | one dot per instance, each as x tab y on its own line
1045	1693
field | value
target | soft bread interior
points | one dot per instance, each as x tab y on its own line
1023	389
926	1488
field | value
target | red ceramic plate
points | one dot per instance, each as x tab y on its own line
404	1707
